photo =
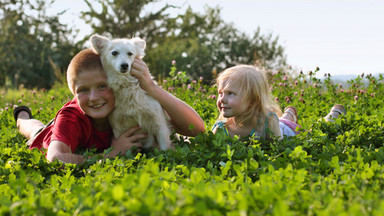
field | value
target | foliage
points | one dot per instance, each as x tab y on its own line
328	169
31	43
35	48
201	43
122	18
205	45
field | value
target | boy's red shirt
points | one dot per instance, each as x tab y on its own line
72	127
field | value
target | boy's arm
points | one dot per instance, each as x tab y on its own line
182	115
58	150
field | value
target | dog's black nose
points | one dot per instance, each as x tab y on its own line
124	66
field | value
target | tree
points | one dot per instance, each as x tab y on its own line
31	42
125	19
204	44
200	43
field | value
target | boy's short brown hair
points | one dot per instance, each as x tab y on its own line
85	60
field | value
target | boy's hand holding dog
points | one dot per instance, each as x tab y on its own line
126	141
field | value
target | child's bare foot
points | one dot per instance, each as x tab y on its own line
335	112
290	113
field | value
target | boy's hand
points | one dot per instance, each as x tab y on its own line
141	72
126	141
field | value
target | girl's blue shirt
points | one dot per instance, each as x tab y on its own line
222	125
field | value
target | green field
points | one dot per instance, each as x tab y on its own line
328	169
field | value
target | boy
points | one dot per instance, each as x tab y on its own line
83	122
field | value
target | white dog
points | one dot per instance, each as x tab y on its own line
132	105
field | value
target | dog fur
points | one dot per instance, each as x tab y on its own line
132	105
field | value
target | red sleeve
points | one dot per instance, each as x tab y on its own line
71	128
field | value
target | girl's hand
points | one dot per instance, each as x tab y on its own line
141	72
182	115
126	141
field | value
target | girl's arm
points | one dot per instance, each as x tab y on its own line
58	150
274	127
182	115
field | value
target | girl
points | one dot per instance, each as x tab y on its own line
245	104
246	107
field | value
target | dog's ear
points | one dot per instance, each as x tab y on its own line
99	43
140	44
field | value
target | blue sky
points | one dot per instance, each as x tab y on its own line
340	37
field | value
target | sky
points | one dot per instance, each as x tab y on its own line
341	37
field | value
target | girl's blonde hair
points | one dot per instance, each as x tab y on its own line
254	90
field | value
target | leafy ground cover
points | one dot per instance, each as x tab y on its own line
328	169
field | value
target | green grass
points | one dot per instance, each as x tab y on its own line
328	169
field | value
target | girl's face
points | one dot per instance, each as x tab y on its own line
230	101
94	96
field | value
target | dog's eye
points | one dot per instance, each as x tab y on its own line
114	53
130	53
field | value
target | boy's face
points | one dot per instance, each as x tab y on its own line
94	96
